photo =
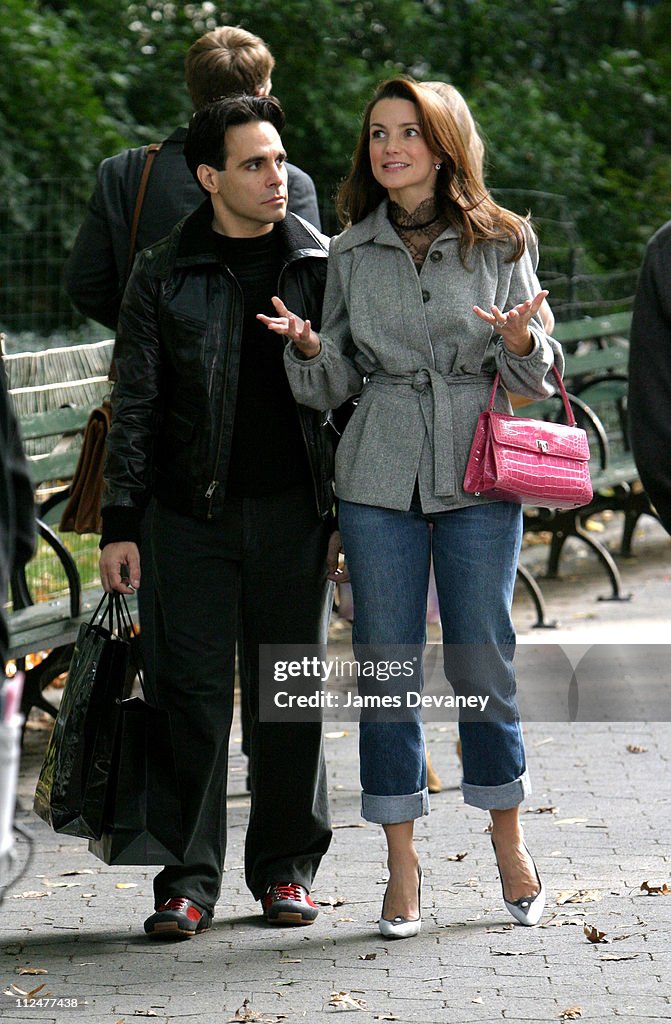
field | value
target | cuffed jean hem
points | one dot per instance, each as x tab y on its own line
391	810
496	798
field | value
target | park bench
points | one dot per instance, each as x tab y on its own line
597	354
53	393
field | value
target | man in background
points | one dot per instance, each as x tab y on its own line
224	62
650	374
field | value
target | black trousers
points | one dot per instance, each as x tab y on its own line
263	566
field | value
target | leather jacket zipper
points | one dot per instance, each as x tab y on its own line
209	493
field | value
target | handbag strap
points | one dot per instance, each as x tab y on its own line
570	418
152	150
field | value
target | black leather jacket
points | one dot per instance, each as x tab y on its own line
178	355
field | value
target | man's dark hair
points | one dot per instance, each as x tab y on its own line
206	138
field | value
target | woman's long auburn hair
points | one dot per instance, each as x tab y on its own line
461	195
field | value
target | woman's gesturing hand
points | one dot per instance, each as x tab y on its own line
297	330
513	326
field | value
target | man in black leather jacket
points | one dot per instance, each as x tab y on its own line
233	480
227	61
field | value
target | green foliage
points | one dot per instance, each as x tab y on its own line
572	95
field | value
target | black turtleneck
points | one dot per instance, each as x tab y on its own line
267	450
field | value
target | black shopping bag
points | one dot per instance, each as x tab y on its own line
143	821
72	786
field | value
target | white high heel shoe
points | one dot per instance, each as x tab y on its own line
527	910
402	927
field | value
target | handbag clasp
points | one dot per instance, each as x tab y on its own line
542	446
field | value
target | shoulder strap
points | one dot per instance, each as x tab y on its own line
152	150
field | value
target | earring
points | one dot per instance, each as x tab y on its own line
437	166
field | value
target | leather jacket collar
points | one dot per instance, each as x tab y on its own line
195	242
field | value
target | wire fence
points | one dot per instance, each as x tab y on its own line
37	232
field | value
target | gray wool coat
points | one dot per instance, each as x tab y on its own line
421	358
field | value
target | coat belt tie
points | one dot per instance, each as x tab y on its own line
435	401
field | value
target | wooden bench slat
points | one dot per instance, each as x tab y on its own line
593	327
611	359
57	466
55	421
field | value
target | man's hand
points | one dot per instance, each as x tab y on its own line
120	567
291	326
337	571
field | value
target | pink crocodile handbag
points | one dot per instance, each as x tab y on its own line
534	462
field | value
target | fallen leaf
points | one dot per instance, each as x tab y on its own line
14	990
246	1014
558	921
655	890
512	952
634	749
478	999
345	1001
80	871
59	885
145	1013
126	885
31	895
570	821
39	988
456	856
331	901
88	895
385	1016
336	735
577	896
354	824
291	961
345	920
571	1013
472	883
618	956
593	934
549	809
31	970
368	956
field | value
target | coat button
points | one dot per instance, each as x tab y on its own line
425	295
436	256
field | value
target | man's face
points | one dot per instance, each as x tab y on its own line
251	191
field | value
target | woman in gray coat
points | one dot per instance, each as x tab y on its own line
431	289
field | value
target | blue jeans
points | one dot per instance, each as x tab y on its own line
475	552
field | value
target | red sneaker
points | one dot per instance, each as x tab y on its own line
288	904
179	918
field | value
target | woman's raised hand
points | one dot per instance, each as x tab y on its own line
297	330
513	326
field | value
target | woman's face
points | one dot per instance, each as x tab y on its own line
400	159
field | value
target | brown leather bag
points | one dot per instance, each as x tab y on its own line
82	512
